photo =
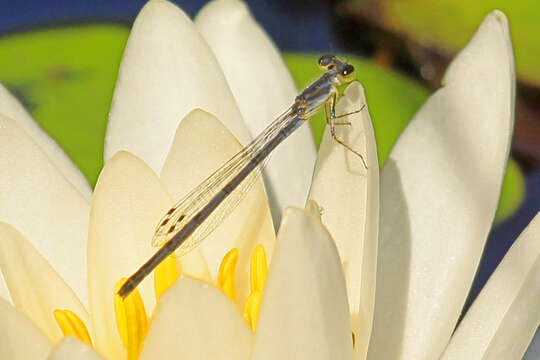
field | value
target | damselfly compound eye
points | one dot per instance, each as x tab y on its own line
326	60
347	70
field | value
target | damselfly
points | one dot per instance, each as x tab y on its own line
205	207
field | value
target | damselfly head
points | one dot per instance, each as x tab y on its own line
343	69
327	61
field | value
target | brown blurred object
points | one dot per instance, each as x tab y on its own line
428	63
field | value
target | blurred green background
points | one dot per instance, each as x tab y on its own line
446	25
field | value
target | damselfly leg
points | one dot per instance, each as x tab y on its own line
330	107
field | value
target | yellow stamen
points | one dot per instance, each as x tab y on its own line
226	274
165	275
258	269
131	320
258	273
251	309
72	325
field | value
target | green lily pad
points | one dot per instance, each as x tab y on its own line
513	191
65	77
393	100
448	25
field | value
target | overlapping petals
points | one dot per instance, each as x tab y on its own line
439	192
21	339
348	194
71	348
507	307
35	287
304	312
39	201
127	204
200	146
196	321
167	71
263	88
175	114
11	108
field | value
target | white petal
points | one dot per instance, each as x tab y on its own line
167	71
36	289
245	52
19	338
349	197
504	317
73	349
40	203
194	320
128	202
10	107
440	188
200	146
304	312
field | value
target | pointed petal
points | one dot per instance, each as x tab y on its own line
244	49
19	338
194	320
200	146
128	202
10	107
440	189
304	312
349	197
167	71
73	349
503	319
39	202
36	289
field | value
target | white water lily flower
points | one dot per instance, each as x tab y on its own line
439	193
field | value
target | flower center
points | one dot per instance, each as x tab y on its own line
131	319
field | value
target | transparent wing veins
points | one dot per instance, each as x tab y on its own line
193	202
